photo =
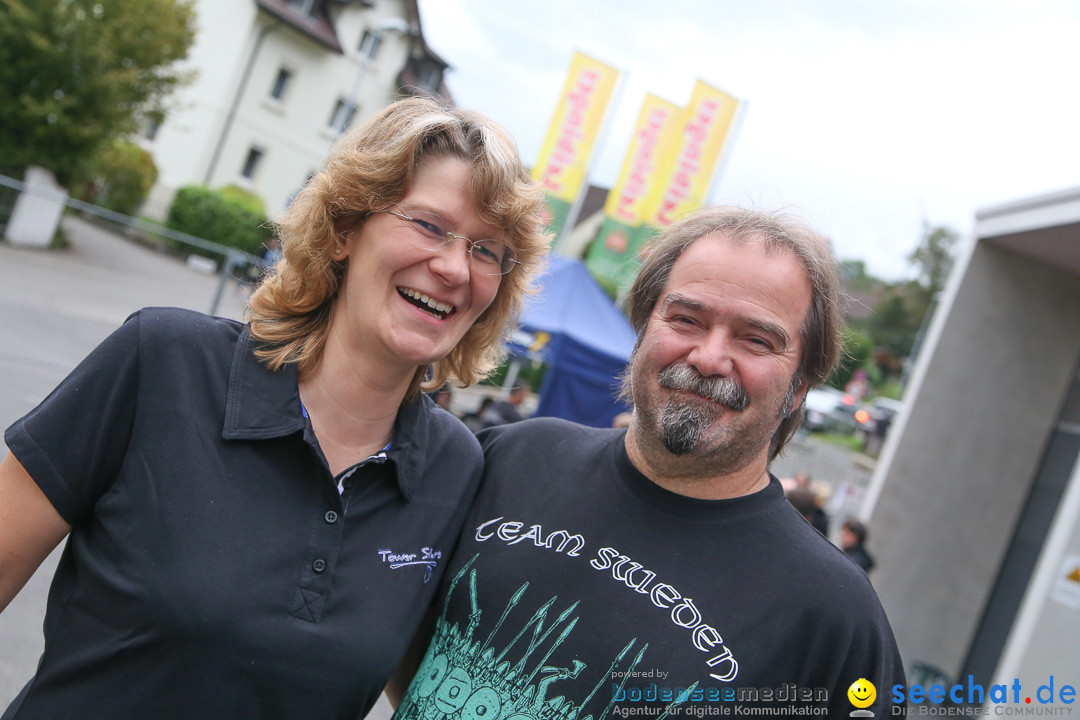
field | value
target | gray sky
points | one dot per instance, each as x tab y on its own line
865	115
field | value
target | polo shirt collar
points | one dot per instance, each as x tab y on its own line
410	448
262	404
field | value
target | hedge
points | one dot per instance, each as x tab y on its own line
229	216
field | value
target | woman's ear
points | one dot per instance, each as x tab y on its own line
341	247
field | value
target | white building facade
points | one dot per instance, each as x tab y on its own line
275	82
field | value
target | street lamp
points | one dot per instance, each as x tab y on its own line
390	24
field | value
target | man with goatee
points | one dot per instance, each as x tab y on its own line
661	566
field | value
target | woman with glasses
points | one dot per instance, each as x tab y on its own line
258	514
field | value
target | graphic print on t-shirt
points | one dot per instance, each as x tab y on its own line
496	672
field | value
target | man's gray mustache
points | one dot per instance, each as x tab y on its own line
718	389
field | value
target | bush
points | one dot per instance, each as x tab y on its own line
244	198
121	176
230	216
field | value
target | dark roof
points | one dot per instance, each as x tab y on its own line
420	53
316	26
412	15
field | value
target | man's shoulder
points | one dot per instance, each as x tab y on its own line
504	411
828	574
551	443
545	436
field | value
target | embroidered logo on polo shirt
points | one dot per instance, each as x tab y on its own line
428	557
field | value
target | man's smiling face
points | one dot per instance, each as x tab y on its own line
714	372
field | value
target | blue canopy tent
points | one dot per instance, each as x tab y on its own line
573	326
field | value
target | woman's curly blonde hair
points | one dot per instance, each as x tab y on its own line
371	168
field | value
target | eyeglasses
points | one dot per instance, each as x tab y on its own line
489	257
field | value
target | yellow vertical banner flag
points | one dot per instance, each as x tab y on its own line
612	255
652	148
705	132
564	157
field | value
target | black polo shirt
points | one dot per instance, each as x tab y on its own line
213	569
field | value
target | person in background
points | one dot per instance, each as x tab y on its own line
601	570
858	386
257	515
853	537
805	502
808	494
270	253
443	396
509	410
475	420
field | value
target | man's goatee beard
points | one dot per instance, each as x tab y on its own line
681	427
683	424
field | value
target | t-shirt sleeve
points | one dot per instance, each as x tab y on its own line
74	442
872	655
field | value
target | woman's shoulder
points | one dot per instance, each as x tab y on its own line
169	340
181	319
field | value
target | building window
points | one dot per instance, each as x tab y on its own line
369	45
342	116
281	84
252	162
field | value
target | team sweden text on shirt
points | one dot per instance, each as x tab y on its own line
510	533
722	663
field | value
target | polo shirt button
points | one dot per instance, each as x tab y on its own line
331	516
346	483
319	565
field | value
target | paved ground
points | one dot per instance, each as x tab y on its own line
56	306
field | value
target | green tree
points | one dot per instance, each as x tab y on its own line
74	74
855	278
933	258
858	347
896	319
122	175
900	310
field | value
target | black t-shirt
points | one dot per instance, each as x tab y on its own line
213	569
582	588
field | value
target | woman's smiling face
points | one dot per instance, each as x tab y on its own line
401	303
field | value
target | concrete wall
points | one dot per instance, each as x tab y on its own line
956	472
1050	612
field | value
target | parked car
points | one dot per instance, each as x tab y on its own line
882	414
830	410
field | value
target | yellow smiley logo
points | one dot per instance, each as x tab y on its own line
862	693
